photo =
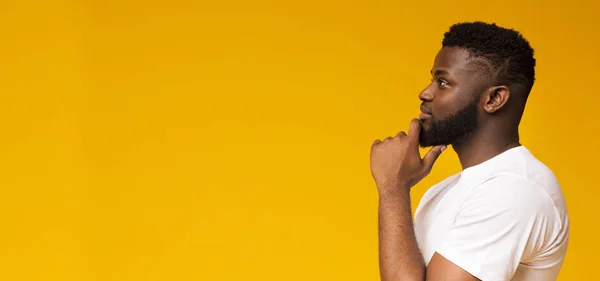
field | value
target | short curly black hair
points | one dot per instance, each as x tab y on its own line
510	55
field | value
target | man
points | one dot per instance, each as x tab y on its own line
503	217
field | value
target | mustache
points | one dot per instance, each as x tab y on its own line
424	109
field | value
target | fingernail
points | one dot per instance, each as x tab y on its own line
443	148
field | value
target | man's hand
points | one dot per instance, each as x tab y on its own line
396	164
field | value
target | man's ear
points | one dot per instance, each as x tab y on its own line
495	98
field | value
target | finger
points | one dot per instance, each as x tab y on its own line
414	130
432	155
401	134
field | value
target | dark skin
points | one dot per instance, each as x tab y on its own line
396	164
456	81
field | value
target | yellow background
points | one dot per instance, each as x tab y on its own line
229	140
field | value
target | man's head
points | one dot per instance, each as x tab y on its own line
481	77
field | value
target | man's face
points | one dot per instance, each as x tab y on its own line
450	102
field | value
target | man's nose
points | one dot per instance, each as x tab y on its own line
426	95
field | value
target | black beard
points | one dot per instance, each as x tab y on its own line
452	130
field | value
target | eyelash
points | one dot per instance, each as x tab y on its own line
440	81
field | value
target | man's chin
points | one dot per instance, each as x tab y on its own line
424	139
427	142
426	145
431	145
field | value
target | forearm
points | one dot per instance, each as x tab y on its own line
399	255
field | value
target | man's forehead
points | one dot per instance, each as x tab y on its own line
452	59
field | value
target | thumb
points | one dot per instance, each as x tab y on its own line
432	155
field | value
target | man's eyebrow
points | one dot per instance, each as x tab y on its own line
439	72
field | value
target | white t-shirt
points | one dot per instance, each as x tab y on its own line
504	219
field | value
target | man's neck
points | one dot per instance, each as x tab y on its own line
483	146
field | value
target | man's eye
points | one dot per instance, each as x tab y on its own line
440	82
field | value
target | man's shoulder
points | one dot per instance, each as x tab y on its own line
519	168
520	195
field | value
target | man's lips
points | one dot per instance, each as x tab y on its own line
425	113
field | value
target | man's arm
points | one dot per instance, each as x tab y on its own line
396	166
399	254
442	269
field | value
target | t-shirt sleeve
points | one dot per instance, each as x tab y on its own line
501	222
